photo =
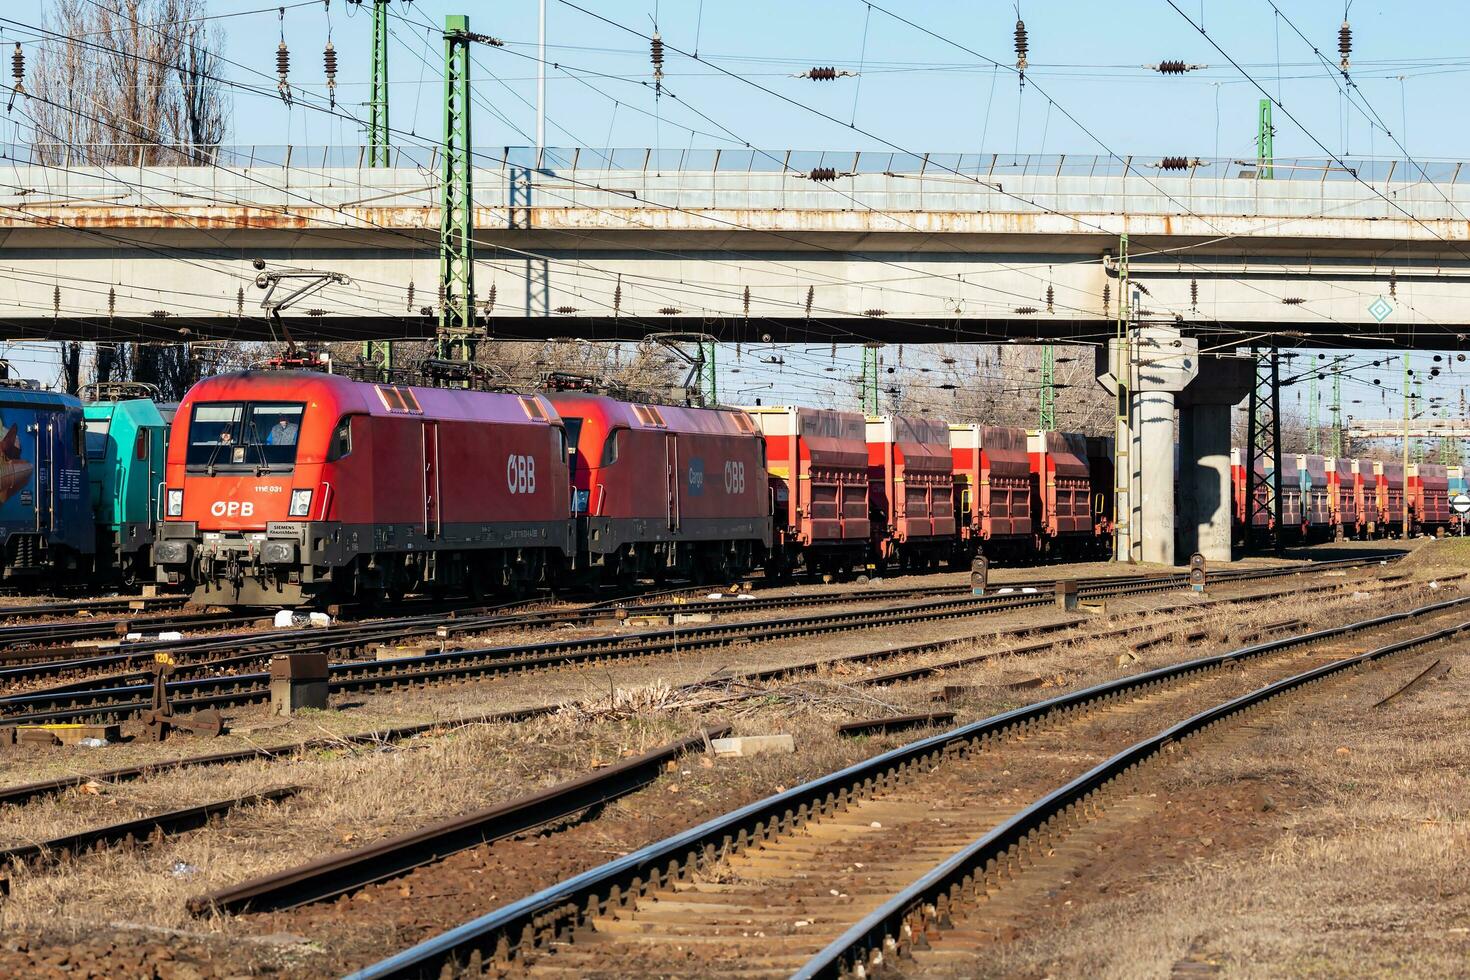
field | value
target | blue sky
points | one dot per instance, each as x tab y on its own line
915	91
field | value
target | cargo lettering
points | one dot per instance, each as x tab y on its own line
232	508
520	473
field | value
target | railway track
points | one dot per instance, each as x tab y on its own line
120	698
850	872
243	649
1057	634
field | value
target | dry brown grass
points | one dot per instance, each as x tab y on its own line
1365	876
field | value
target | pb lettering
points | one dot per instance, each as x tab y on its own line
232	508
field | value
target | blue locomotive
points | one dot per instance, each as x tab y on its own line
46	525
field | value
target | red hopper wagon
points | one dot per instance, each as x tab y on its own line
817	462
992	480
1061	492
911	490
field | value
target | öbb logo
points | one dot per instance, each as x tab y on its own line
520	473
232	508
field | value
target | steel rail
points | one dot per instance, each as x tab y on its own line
26	792
337	874
544	914
360	635
171	822
888	929
357	676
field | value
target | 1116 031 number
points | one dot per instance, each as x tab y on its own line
520	473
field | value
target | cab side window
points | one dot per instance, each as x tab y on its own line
610	447
340	444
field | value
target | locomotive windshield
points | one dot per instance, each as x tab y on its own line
243	436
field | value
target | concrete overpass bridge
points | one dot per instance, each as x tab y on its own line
744	245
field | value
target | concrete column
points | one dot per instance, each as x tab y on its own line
1204	481
1156	474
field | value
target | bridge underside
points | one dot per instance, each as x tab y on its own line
844	330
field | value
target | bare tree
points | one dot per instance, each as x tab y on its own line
129	82
644	367
997	384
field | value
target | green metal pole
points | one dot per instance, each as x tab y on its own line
378	98
456	340
870	378
1047	417
1314	420
1265	144
1337	415
1122	427
379	353
708	384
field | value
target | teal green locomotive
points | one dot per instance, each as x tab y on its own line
127	438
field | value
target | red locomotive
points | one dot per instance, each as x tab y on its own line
665	489
817	463
283	486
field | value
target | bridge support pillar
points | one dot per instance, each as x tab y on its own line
1205	499
1170	375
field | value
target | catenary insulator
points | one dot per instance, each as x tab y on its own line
1050	296
112	300
1293	300
618	296
329	64
875	312
811	294
1345	44
1022	46
283	71
670	310
56	299
1026	310
1393	283
490	299
18	73
566	309
239	302
823	174
745	303
410	297
656	55
1174	163
1194	294
1107	297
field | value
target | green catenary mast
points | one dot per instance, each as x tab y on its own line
379	353
456	339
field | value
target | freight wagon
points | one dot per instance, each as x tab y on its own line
992	484
910	491
1429	498
1061	493
1388	497
817	466
1345	497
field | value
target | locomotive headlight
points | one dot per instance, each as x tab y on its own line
300	503
175	503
